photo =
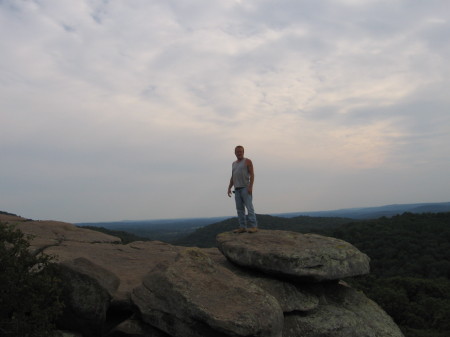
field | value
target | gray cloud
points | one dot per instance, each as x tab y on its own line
114	110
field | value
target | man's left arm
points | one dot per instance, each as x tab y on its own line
251	173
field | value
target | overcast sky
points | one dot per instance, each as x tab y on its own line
131	109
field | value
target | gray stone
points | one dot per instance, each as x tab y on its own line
307	257
343	312
134	327
130	263
105	278
290	296
193	297
86	302
52	233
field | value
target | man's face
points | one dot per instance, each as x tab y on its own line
239	152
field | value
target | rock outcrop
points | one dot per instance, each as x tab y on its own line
269	283
307	257
195	295
88	290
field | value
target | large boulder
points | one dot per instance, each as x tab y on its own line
343	312
87	295
107	280
305	257
194	297
291	296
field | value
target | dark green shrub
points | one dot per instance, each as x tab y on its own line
29	287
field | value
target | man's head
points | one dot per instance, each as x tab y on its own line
239	152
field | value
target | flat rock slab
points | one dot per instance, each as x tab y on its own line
308	257
52	233
193	297
130	263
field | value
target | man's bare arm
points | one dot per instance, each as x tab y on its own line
230	185
251	173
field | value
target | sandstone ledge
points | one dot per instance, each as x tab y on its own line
255	288
308	257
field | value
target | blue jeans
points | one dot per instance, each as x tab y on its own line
244	200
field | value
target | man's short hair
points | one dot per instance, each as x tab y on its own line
239	147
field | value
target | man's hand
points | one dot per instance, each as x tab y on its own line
229	192
250	190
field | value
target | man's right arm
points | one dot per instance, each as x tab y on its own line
230	185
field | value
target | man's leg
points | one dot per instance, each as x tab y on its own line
248	202
240	207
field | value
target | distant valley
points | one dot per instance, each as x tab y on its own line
167	230
377	212
172	230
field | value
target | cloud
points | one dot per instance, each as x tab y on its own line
139	104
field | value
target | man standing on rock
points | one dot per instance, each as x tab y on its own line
242	179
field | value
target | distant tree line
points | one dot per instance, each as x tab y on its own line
205	237
410	268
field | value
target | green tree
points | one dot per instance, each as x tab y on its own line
29	287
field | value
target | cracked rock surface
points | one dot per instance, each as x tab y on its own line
309	257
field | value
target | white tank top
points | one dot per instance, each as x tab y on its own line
241	177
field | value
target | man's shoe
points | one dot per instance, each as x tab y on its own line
239	230
252	230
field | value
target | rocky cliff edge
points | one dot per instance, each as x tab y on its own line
268	283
